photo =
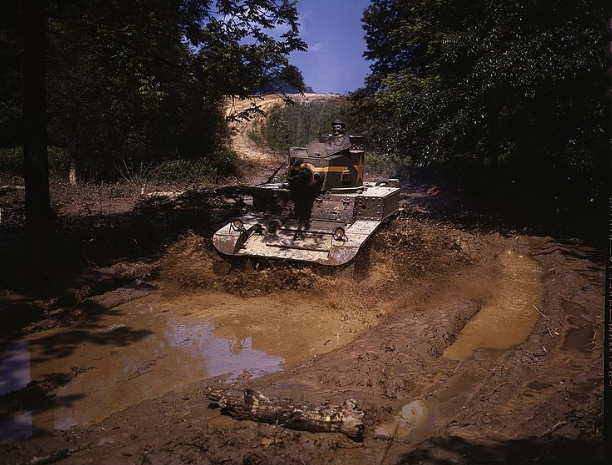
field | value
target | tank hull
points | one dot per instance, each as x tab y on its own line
329	230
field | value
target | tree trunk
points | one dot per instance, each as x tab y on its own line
72	174
38	209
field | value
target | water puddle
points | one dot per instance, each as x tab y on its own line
412	417
508	318
15	375
157	344
14	367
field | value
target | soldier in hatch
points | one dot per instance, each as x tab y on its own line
338	127
337	137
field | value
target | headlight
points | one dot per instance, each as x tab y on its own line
237	224
339	234
272	226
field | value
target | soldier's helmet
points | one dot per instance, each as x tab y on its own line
338	122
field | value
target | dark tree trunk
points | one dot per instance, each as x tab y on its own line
36	169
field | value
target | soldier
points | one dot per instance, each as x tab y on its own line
337	140
338	127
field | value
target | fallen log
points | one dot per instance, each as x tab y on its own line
253	405
11	188
230	191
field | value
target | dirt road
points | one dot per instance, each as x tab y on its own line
460	339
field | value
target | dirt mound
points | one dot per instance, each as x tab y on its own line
191	262
188	263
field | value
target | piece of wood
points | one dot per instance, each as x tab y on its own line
215	191
11	188
253	405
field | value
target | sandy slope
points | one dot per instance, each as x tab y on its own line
240	140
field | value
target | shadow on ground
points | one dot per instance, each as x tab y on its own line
543	451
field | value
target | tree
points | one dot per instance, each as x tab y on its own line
129	81
132	82
38	206
515	84
140	83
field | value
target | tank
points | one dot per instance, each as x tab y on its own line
323	213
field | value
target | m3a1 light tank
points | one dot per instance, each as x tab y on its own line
323	213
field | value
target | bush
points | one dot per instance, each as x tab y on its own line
221	165
296	125
255	136
387	164
11	161
59	162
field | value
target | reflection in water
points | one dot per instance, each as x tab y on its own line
411	417
176	353
222	356
14	367
506	320
15	375
181	339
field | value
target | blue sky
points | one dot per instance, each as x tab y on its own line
332	29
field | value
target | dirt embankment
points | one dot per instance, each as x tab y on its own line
242	131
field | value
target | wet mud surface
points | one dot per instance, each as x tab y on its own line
415	354
460	345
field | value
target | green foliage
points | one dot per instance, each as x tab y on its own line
388	165
11	87
508	88
59	161
11	161
219	166
296	125
146	82
255	136
289	81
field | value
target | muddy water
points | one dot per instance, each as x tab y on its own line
412	417
580	335
507	319
162	342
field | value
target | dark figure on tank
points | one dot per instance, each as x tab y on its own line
306	184
337	141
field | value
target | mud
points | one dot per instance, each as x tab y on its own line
508	317
463	341
403	333
162	342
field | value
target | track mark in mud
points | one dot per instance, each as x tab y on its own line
507	319
580	334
